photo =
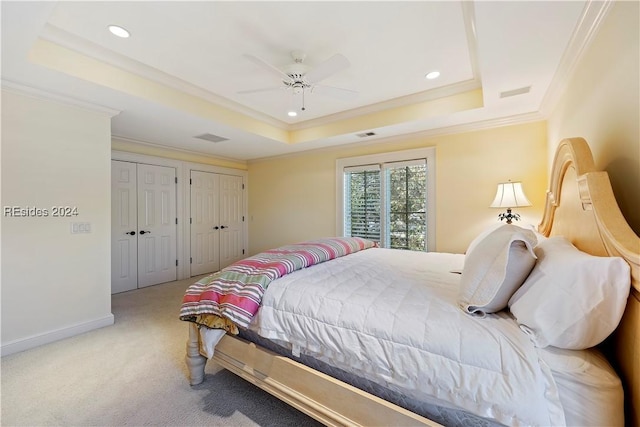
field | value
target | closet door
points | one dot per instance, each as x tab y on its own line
231	219
157	225
205	223
124	227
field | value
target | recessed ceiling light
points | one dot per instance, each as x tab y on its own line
432	75
292	114
119	31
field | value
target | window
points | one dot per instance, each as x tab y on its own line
362	202
388	198
406	205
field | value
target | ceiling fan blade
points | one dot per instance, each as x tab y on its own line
335	92
265	65
265	89
331	66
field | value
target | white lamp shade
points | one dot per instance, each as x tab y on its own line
510	195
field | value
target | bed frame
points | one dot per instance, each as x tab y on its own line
580	205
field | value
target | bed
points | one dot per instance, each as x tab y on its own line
580	212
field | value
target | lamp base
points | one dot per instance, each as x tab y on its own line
509	216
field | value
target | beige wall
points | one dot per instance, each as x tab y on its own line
54	283
293	198
601	104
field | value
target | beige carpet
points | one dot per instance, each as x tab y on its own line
132	373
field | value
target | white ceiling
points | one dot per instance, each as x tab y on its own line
198	48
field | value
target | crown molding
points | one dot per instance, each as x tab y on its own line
47	95
590	22
516	119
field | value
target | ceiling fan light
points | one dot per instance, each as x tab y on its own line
432	75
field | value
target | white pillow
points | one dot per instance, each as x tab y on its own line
493	227
571	299
496	266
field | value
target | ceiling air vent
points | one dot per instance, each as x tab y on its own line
211	137
515	92
365	134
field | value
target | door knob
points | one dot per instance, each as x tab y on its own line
132	233
224	226
144	232
216	227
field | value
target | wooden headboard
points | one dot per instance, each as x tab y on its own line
580	205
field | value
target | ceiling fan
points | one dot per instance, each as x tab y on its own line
300	78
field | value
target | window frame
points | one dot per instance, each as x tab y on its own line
428	153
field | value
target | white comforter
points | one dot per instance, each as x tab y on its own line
391	316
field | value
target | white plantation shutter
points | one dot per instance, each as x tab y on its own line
362	202
405	205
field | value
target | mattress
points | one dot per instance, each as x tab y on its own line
443	415
388	319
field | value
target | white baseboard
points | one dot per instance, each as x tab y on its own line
52	336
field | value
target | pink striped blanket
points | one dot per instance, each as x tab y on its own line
233	294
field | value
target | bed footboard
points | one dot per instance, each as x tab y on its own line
326	399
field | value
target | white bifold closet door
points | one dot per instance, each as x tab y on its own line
205	222
143	225
216	221
157	224
124	226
